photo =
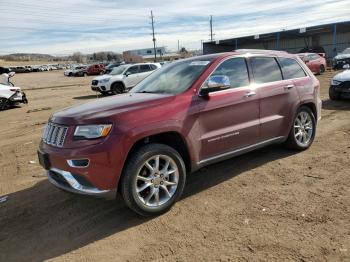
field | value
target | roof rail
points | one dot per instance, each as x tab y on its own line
260	51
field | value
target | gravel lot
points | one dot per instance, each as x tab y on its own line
269	205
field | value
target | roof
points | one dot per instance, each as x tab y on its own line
305	31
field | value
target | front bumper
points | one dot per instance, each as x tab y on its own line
99	88
71	183
342	88
339	64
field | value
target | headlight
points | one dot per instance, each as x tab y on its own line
105	80
335	82
92	131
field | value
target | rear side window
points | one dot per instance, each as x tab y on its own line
290	68
154	67
265	69
144	68
236	70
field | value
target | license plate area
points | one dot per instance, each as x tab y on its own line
44	160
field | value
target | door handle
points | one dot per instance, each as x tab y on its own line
249	94
288	87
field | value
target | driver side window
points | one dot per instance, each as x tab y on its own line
236	70
132	70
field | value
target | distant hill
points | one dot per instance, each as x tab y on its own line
31	57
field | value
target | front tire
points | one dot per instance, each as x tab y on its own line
303	131
333	95
153	179
3	103
117	89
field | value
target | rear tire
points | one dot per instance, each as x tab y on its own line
322	69
153	179
333	95
303	130
117	89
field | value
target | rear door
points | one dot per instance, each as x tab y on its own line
145	70
229	119
277	97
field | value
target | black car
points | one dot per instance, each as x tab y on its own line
111	66
4	70
342	59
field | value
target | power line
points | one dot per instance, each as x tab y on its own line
154	38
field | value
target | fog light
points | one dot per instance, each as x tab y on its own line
78	163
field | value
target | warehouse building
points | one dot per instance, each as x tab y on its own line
147	55
329	39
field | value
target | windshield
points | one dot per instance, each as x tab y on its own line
346	51
118	70
173	78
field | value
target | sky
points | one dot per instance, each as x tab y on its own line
61	27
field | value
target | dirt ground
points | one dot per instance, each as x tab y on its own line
269	205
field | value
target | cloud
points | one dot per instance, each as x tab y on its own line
62	27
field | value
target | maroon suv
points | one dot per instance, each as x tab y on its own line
186	115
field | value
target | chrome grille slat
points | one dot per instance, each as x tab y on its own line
54	134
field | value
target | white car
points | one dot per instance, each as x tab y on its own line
72	69
123	78
10	95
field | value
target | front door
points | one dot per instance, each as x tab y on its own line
131	76
229	119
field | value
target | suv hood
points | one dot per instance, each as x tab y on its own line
342	56
116	77
101	110
343	76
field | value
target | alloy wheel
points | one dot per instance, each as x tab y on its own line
303	128
157	180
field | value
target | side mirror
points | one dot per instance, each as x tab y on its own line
306	60
346	66
11	74
127	74
215	83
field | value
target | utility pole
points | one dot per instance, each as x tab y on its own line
178	45
154	38
211	28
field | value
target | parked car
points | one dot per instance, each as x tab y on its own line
36	68
123	78
315	62
342	59
314	49
95	69
10	95
340	85
184	116
19	69
76	70
111	66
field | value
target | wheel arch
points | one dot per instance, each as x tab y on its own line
170	138
118	82
312	107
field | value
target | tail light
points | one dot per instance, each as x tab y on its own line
14	90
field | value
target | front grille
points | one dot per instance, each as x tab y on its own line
345	85
94	82
55	134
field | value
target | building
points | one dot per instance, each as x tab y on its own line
329	38
147	55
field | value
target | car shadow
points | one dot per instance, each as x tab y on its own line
329	104
88	97
42	222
